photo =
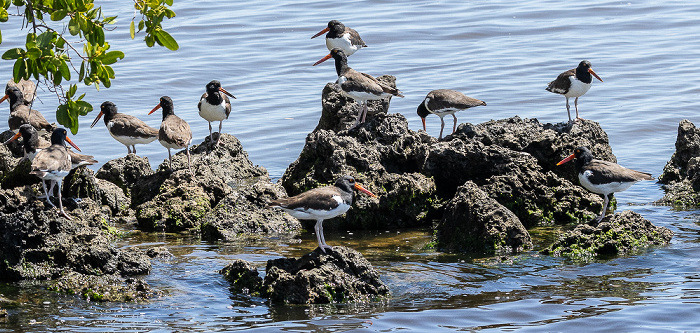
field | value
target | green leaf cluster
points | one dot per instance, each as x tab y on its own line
67	32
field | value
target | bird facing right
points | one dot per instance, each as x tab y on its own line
603	177
574	83
442	102
321	204
214	105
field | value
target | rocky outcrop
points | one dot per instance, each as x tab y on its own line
338	276
623	233
474	222
243	276
513	161
339	111
681	175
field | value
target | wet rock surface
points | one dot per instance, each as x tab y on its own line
622	233
474	222
414	175
681	175
338	276
243	276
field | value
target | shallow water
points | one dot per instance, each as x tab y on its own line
503	53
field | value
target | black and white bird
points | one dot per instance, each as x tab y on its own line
174	133
214	105
126	129
21	113
32	144
359	86
603	177
442	102
54	163
341	37
574	83
322	203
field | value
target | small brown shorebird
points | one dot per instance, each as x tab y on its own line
54	163
322	203
574	83
126	129
359	86
603	177
214	105
174	132
442	102
21	113
342	37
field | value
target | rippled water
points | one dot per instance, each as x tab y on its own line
647	52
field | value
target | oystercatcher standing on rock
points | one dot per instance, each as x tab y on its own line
342	37
574	83
54	163
215	106
442	102
603	177
322	203
126	129
174	132
21	113
32	145
359	86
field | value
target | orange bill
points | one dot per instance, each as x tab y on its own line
13	138
96	119
322	59
321	32
568	158
363	190
590	70
226	92
72	144
155	108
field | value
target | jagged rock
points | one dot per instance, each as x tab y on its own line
113	197
245	211
81	183
339	276
681	174
39	244
623	233
18	173
243	276
175	200
125	172
340	111
474	222
382	154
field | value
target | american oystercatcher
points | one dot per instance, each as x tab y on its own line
126	129
603	177
574	83
342	37
20	112
214	106
54	163
174	132
442	102
359	86
322	203
27	87
32	144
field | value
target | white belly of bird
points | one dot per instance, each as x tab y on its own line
577	88
130	140
314	214
602	188
342	43
213	112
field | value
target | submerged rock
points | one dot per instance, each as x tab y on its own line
106	288
474	222
243	276
681	174
623	233
338	276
